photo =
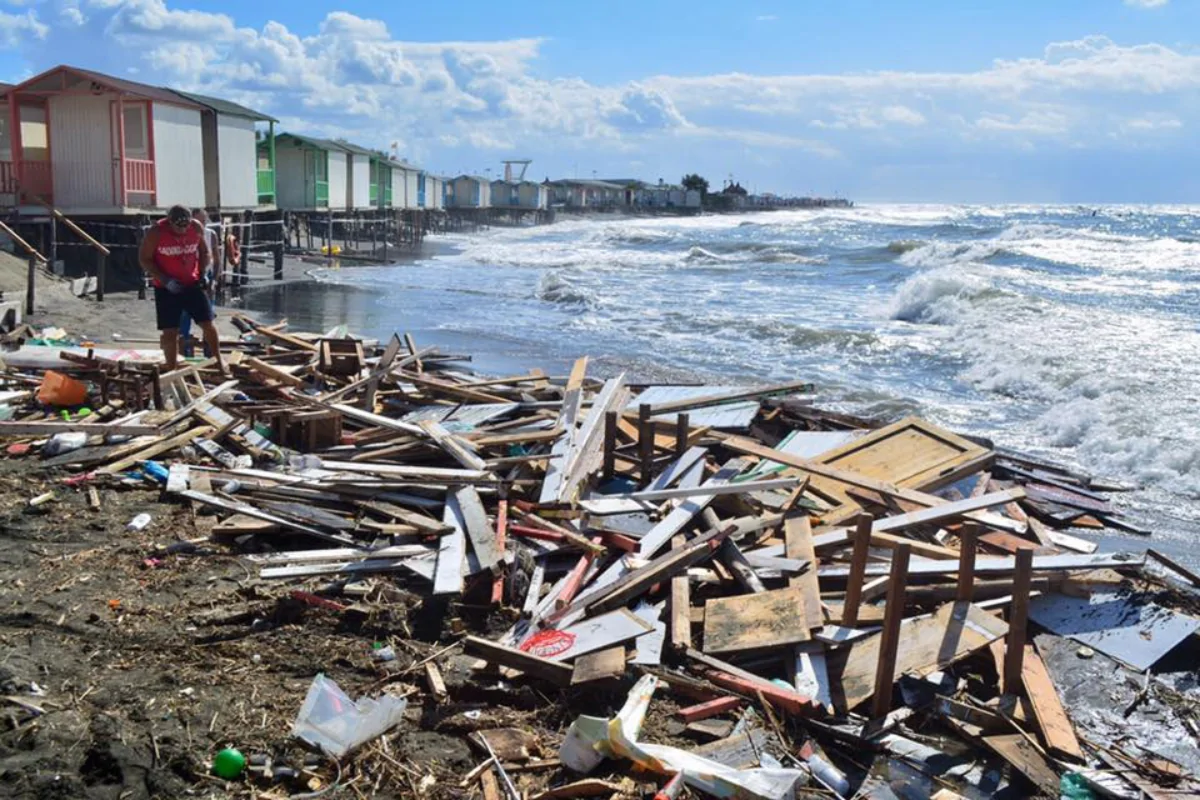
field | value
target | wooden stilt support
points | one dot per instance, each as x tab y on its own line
29	286
968	539
1014	646
889	640
645	443
858	570
682	426
610	445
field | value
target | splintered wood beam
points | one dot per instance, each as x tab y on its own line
1052	720
680	606
798	544
858	570
966	562
889	641
479	530
493	653
1018	618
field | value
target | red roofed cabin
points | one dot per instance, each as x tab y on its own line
93	144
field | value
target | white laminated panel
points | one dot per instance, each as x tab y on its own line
237	148
291	185
178	156
338	183
360	181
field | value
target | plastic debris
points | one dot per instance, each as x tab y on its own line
330	720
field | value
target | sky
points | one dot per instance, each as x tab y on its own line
1077	101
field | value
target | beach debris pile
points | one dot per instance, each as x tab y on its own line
712	591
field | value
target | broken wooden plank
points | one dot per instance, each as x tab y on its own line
251	511
1053	723
755	621
648	500
552	671
455	447
681	625
606	664
452	551
926	644
597	633
479	530
712	708
9	428
889	639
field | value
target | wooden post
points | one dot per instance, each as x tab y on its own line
247	240
101	274
329	235
645	443
858	570
1018	617
610	445
29	285
278	250
682	427
968	539
139	235
388	219
53	248
889	640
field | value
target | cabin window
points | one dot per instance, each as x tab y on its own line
136	136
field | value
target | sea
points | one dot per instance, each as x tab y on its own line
1071	333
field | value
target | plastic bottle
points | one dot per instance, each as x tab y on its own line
139	522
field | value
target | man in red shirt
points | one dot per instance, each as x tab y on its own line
175	255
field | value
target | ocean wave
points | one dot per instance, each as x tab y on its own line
939	297
904	245
554	288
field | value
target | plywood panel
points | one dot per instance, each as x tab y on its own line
749	622
338	180
911	453
926	644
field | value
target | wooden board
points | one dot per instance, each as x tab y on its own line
475	520
1017	751
588	636
926	644
798	544
558	674
1052	720
750	622
601	665
452	551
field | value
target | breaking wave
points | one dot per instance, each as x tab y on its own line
554	288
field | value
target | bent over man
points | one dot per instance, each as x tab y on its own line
174	254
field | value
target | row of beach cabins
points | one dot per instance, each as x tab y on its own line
94	145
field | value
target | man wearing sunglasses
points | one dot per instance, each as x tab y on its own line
175	255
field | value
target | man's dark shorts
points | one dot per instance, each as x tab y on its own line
168	307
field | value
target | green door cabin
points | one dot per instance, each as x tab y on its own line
306	167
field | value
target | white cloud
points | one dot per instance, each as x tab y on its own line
16	29
1146	3
766	18
354	77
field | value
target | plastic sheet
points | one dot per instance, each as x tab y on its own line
333	722
591	739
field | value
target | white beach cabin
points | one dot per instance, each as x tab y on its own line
239	157
94	144
406	185
360	178
431	191
310	173
469	191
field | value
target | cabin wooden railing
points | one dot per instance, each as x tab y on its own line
8	178
266	187
139	176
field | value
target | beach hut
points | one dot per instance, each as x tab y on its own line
469	191
239	156
362	182
151	158
533	195
310	173
431	191
505	194
406	178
